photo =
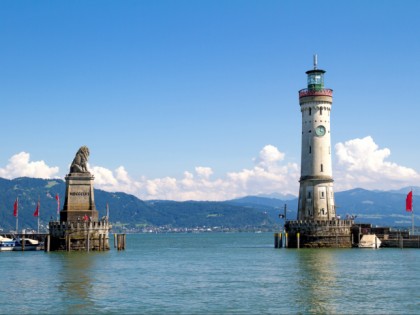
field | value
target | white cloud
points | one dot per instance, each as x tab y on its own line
269	155
20	165
268	175
360	163
204	172
119	180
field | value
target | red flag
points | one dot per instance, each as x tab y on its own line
409	202
15	208
36	213
57	197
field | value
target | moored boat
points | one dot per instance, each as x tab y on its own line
369	241
27	244
6	244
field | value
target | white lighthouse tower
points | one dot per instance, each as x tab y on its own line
316	194
317	224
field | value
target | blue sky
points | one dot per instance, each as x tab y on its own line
199	99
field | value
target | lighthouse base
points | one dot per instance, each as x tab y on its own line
319	234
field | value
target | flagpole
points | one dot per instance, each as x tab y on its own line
39	208
412	215
17	215
57	197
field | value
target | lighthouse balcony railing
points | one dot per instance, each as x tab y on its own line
320	92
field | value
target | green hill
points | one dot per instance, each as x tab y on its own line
125	209
252	212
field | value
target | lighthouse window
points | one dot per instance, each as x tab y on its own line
309	195
320	111
322	167
310	149
310	111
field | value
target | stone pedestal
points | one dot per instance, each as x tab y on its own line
323	233
80	201
79	228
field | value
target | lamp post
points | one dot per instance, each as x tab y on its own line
283	216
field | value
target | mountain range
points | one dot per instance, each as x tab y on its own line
385	208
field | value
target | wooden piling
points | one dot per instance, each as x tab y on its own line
121	239
47	243
68	242
298	239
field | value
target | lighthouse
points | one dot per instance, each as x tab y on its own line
316	194
317	224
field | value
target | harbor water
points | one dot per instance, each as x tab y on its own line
211	273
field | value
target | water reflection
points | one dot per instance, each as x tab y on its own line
318	280
75	280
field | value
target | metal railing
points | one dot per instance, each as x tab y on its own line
322	92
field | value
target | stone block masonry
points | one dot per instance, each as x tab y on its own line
318	234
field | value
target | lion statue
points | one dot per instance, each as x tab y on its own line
79	162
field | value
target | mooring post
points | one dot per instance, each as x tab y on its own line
115	240
276	240
47	243
402	241
67	242
22	241
298	239
287	240
121	239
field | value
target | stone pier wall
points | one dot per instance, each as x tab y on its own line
76	235
323	233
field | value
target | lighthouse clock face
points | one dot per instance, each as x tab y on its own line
320	131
